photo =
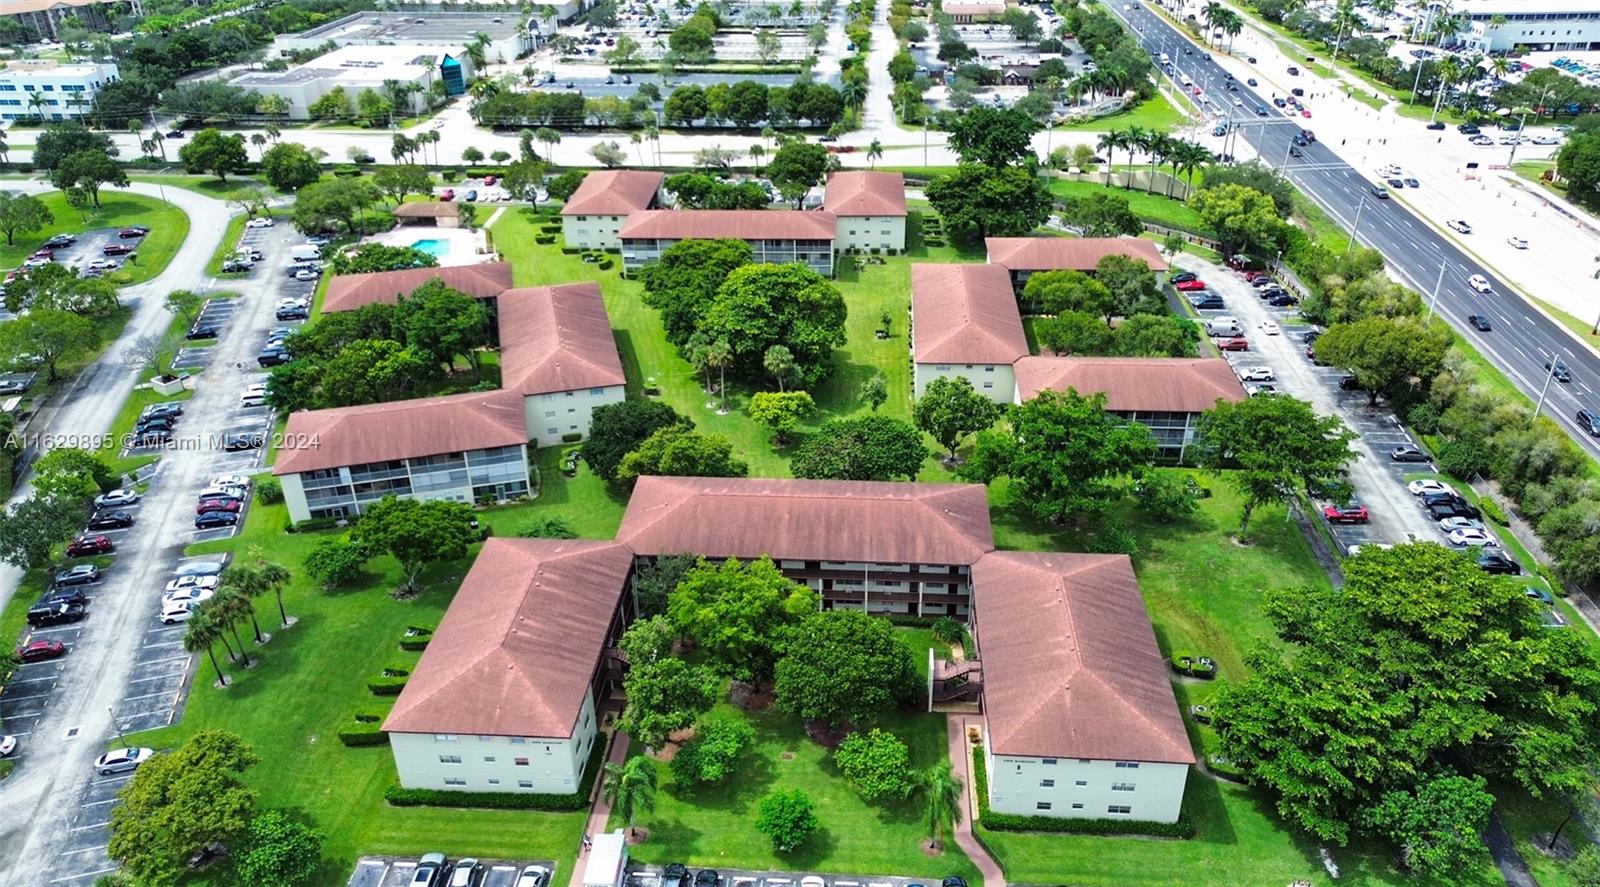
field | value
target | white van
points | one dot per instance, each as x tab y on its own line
1165	59
1223	326
305	252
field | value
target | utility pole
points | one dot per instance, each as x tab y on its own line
1539	407
1436	285
117	725
1357	226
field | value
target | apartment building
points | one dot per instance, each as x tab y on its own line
776	236
593	216
965	322
1023	256
871	211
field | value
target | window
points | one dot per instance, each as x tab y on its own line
989	368
1122	809
493	781
449	759
547	749
520	762
1122	786
1077	806
597	392
1081	782
988	383
445	737
454	780
1050	762
488	759
1127	765
1047	783
485	738
552	431
1042	805
549	414
524	783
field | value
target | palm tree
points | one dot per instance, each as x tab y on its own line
1157	145
273	576
756	153
630	788
5	149
942	791
246	583
1232	24
1501	66
1211	14
1344	19
211	610
1187	162
260	141
202	634
228	607
1138	141
1109	142
36	104
161	143
547	137
653	133
874	153
273	132
719	354
854	93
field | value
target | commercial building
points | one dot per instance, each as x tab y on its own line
965	322
507	40
33	88
1165	394
1023	256
358	68
1539	25
967	13
42	19
777	236
593	216
871	211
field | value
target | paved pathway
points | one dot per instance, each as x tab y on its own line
601	811
961	761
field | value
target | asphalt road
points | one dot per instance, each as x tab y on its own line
1522	339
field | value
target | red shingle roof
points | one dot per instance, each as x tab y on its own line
350	291
1070	662
1068	253
913	523
744	224
613	192
557	338
1172	384
401	429
858	193
515	651
965	314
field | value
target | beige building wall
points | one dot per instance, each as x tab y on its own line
867	233
470	763
592	232
1075	788
996	381
552	416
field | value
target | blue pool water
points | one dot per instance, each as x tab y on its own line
435	248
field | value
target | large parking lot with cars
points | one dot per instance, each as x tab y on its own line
436	870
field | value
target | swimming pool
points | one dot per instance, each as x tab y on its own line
435	248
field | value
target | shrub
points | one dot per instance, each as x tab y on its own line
1112	540
605	264
787	819
1491	510
1012	822
544	239
416	638
572	437
1424	417
548	528
876	763
314	524
346	171
1463	458
269	491
390	683
363	735
1166	497
714	751
948	630
335	562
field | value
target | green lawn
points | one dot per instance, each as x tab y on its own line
210	186
715	826
1157	208
1153	113
228	246
168	227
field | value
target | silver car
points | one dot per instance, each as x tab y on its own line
121	760
430	870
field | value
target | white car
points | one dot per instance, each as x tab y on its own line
307	275
1270	328
1427	485
263	222
812	881
1517	242
196	595
1459	225
8	745
173	612
1546	140
232	480
120	760
533	876
116	498
199	568
221	491
183	583
1479	283
1472	537
1451	524
1256	374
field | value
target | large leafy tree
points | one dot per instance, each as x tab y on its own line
89	170
665	693
993	137
371	257
400	179
56	287
876	763
950	409
50	336
787	818
682	283
211	151
442	324
869	447
415	533
33	527
1242	217
1270	447
180	802
978	201
72	474
844	666
781	411
680	451
1387	355
1579	163
61	139
1101	214
617	429
759	306
653	582
290	167
796	168
1132	286
739	613
322	205
1063	453
22	214
713	754
279	850
1393	691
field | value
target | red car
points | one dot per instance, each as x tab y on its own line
39	651
44	254
116	249
1349	514
1305	112
83	546
489	180
1196	284
1232	343
448	195
133	231
216	505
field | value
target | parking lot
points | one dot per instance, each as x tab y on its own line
391	871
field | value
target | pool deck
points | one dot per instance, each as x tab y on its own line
460	246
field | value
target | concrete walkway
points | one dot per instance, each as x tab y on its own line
961	763
601	809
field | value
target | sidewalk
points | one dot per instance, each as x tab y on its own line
961	763
601	811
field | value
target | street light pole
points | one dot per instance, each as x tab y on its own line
1357	226
1545	389
1436	285
116	724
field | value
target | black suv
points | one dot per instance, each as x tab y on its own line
1468	129
1590	420
110	520
676	874
1497	562
1480	323
55	613
706	878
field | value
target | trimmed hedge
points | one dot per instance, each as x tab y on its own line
311	525
1492	511
365	731
389	685
1011	822
579	800
418	641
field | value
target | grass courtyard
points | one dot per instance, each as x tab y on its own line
168	227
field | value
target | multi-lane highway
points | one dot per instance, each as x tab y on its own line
1522	340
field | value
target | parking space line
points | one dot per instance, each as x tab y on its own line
142	714
84	875
162	644
84	828
25	698
168	659
150	695
154	677
98	803
84	850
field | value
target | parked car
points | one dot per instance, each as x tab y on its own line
1471	538
538	875
1493	560
1182	276
196	596
1191	284
41	651
1428	485
466	873
676	874
49	612
1480	323
1350	383
121	760
260	222
1347	514
59	241
176	611
201	331
214	519
706	878
1453	508
293	313
1517	242
448	195
8	746
1459	225
116	249
234	441
430	870
1408	453
1209	302
206	505
1256	374
273	355
1232	343
223	491
115	498
133	231
110	520
171	408
87	545
82	574
199	568
182	583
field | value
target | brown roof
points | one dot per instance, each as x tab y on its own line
348	292
1070	662
973	8
401	429
856	193
1068	253
965	314
427	209
18	7
515	651
745	224
1172	384
613	192
557	338
910	523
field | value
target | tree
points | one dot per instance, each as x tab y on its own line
1391	356
787	819
781	412
1058	292
679	451
779	362
665	694
372	257
759	306
1438	827
290	167
950	409
1101	214
58	287
1132	286
273	577
1147	335
34	526
610	154
713	754
279	850
684	281
334	105
186	303
876	763
1243	218
562	187
415	533
617	429
22	214
49	335
320	205
625	52
768	45
1024	26
1578	162
335	562
902	67
977	201
941	790
443	324
843	666
211	151
796	168
738	614
471	154
398	180
1268	447
1063	453
862	448
1255	175
89	170
1584	869
200	633
70	137
180	802
630	787
523	178
71	474
993	137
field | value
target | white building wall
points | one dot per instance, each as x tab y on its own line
551	416
294	496
1075	788
496	763
303	94
592	232
1534	27
68	90
868	233
997	381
